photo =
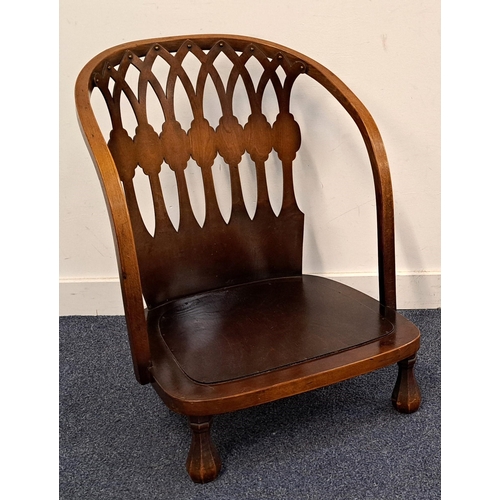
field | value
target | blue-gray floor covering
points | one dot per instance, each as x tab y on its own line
346	442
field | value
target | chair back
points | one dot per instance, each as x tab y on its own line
188	257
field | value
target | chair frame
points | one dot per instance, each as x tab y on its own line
203	461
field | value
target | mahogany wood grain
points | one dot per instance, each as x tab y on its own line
231	321
185	395
203	462
406	395
246	330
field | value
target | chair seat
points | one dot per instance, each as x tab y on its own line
246	338
250	329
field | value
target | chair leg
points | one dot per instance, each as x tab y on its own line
203	463
406	395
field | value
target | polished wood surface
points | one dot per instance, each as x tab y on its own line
231	321
245	330
185	395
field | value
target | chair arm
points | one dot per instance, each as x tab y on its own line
381	176
121	227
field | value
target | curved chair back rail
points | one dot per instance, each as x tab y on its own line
178	261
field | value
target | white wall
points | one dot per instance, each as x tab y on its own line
386	51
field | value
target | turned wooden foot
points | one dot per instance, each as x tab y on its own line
406	395
203	462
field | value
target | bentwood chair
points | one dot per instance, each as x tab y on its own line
231	321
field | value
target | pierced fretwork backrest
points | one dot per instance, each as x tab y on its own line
175	261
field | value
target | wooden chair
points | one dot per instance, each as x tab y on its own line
231	322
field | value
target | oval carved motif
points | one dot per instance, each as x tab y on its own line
148	149
122	149
258	137
175	144
286	135
203	146
230	139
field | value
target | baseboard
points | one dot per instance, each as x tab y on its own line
90	297
102	296
414	290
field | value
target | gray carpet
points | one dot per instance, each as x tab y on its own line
119	441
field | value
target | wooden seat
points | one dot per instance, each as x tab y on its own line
231	321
